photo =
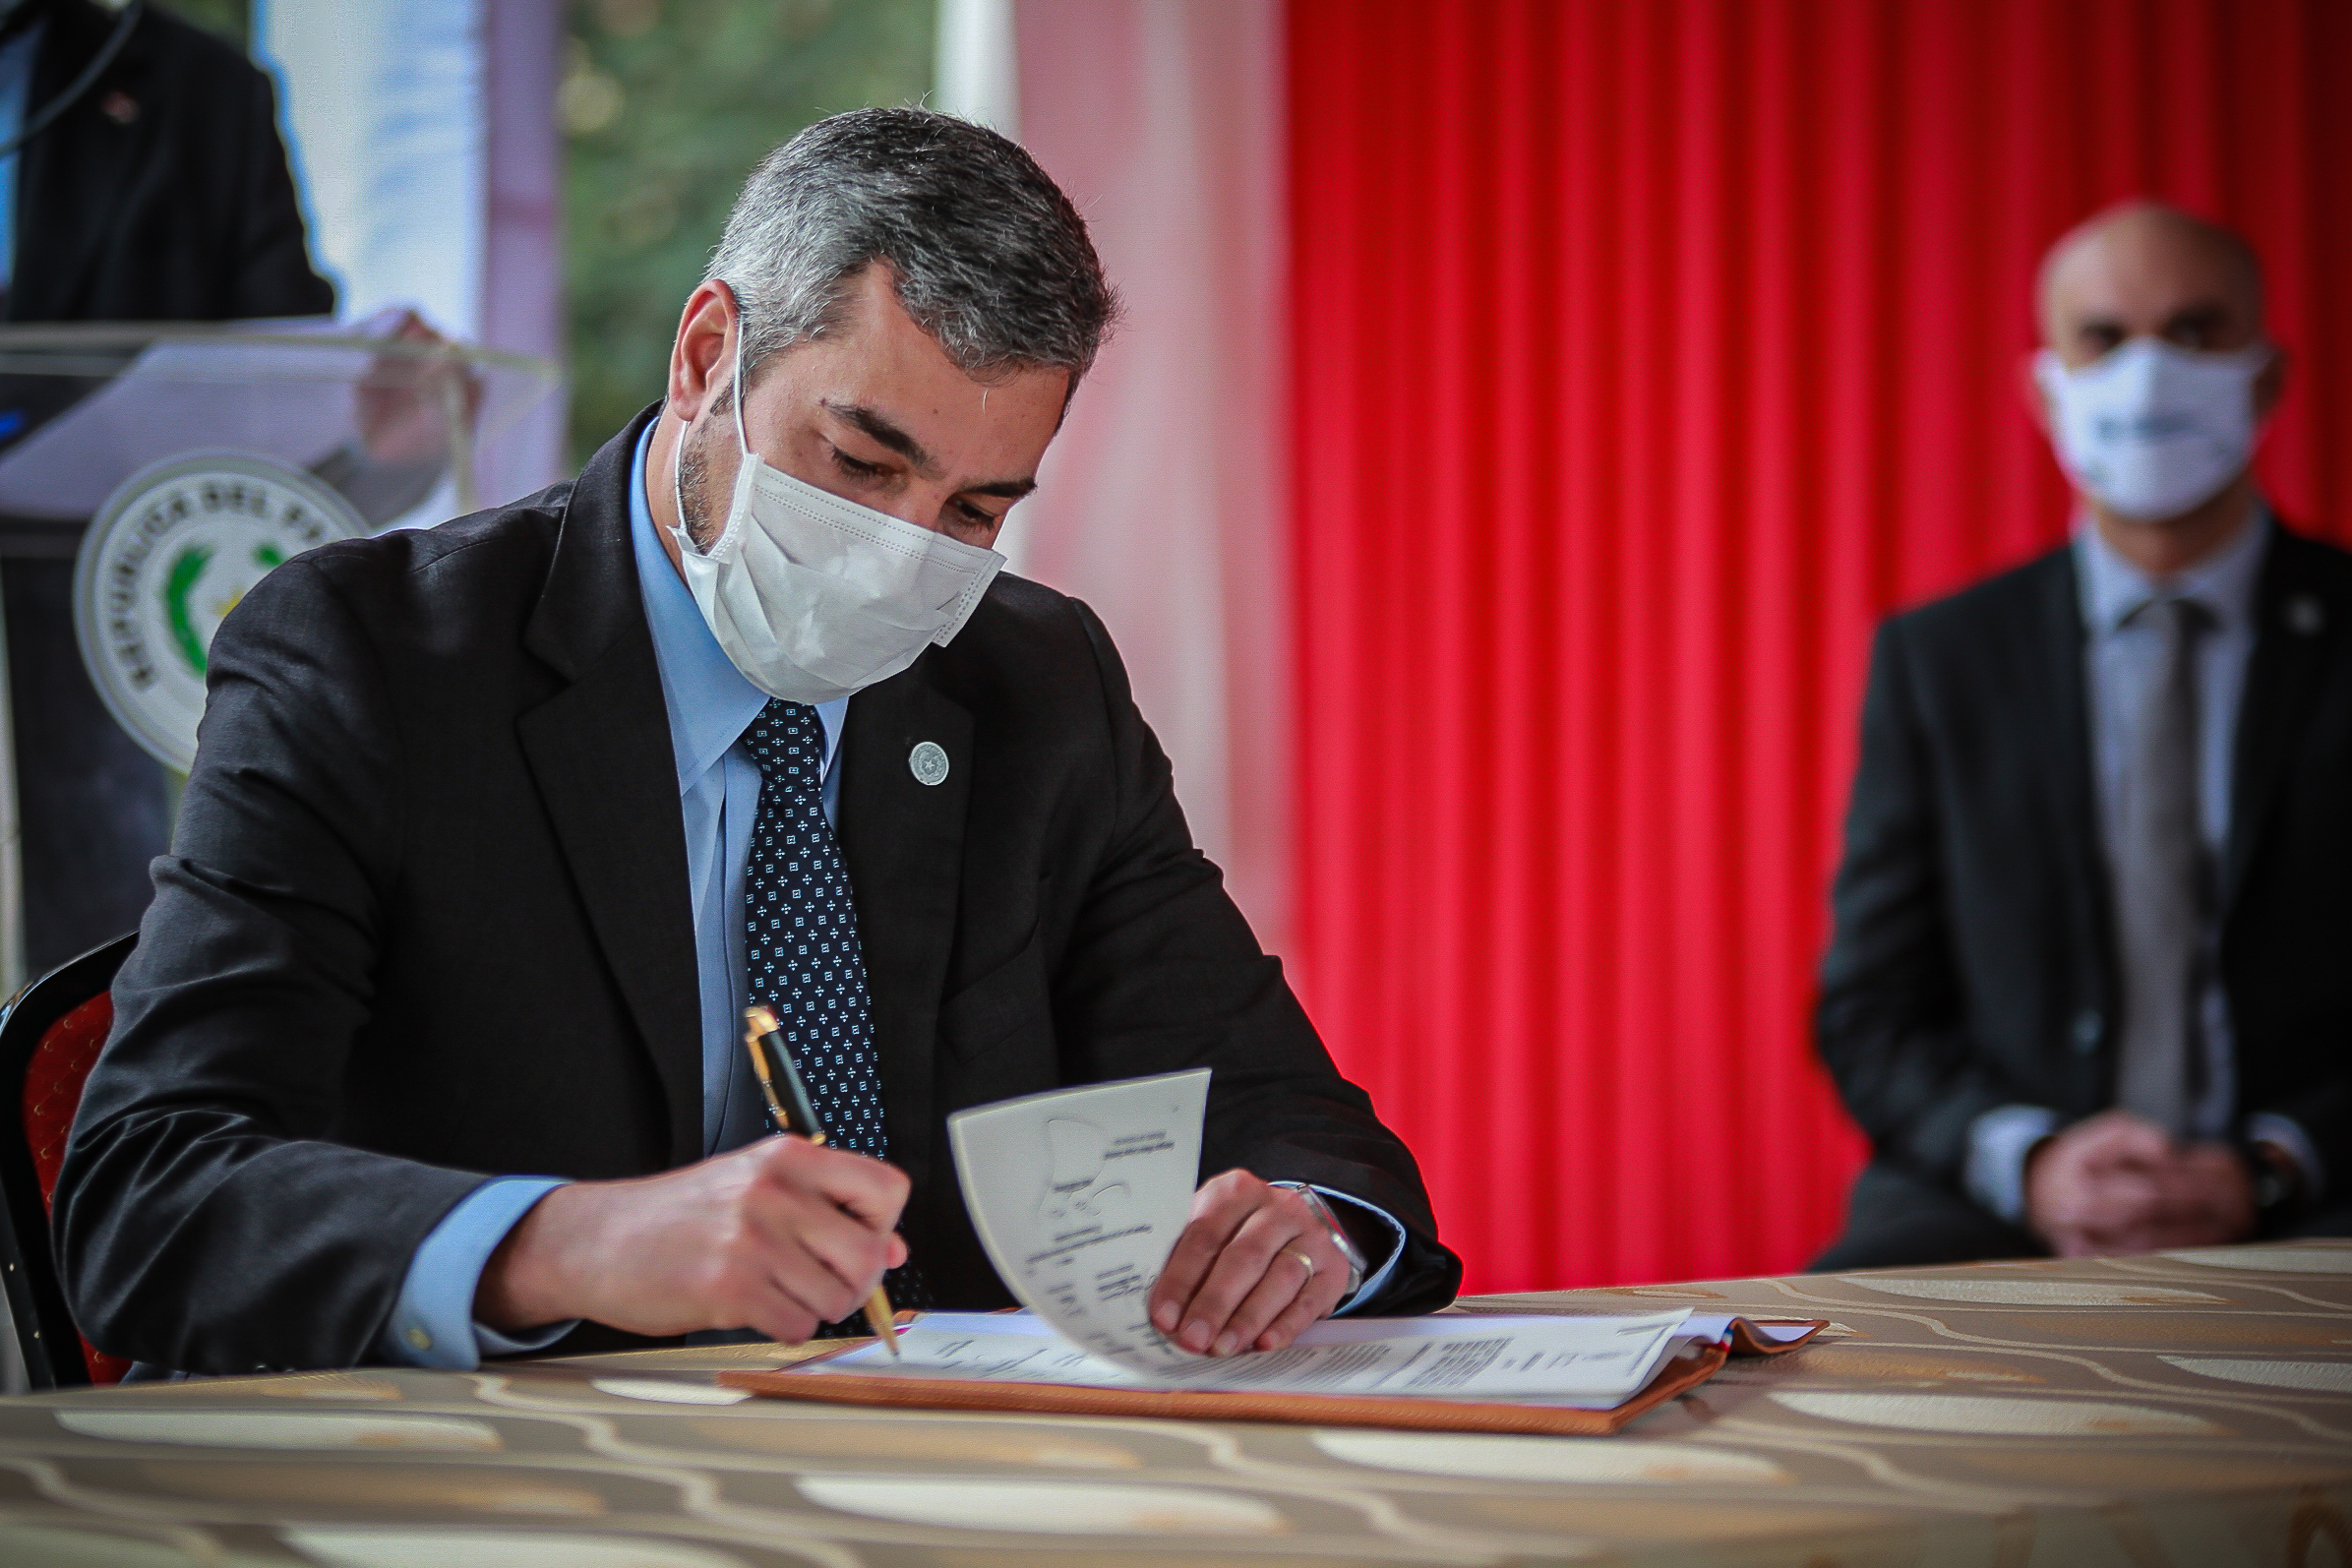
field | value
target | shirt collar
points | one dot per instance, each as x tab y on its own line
16	75
710	703
2112	589
16	53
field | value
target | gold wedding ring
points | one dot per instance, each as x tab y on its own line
1300	1255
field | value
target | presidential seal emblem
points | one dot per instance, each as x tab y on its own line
927	762
166	559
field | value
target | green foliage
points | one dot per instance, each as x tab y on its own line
666	104
231	19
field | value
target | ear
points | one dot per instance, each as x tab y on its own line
701	357
2271	385
2030	387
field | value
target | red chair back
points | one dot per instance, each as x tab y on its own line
50	1036
53	1079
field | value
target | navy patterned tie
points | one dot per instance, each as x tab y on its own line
800	952
802	957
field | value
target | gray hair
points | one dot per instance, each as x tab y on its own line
987	253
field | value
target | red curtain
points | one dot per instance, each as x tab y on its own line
1645	353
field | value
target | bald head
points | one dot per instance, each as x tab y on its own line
2147	270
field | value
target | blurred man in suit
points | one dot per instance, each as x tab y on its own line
142	181
154	189
2087	991
431	1046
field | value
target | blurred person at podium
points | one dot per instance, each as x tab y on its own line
432	1045
145	181
156	189
2087	991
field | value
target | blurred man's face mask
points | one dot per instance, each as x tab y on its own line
2151	430
813	597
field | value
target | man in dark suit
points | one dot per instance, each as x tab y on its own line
2088	990
431	1043
162	192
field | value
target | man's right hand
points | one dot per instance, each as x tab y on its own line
2116	1183
778	1236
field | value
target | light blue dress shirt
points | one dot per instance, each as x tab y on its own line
2119	662
710	704
16	90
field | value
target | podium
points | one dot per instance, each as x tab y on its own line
149	475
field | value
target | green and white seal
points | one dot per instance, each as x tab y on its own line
166	559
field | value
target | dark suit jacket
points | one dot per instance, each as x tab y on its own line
426	918
178	207
1973	964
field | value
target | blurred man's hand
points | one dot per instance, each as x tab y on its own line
408	399
2116	1183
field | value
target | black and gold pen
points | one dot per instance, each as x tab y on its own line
795	1114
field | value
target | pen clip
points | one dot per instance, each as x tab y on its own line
779	1076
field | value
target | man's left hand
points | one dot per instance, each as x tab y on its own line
1255	1267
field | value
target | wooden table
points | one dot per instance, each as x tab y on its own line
2190	1409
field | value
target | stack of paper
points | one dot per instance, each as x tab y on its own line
1581	1362
1079	1195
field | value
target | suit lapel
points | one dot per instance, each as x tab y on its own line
2065	709
2295	627
599	750
903	841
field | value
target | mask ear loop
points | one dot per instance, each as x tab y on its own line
741	439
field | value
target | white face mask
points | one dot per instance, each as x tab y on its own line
814	597
2151	430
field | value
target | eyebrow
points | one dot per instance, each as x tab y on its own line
878	426
881	430
1009	489
2201	313
2196	313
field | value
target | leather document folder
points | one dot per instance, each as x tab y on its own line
821	1381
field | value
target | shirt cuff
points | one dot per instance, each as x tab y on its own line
432	1323
2285	1132
1376	1280
1998	1142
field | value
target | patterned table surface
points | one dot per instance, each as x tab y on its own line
2193	1407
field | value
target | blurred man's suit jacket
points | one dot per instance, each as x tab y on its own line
1972	964
162	194
427	916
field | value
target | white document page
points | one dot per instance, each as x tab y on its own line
1079	1195
1713	1326
1586	1361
